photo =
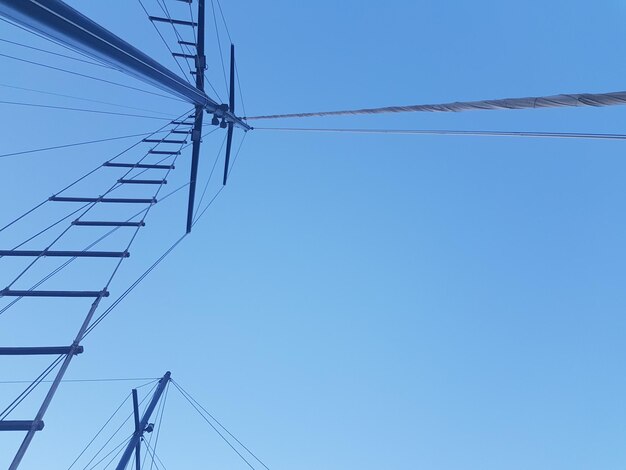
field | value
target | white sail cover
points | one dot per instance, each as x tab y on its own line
556	101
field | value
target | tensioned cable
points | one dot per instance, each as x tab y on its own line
48	39
5	85
219	45
99	431
28	390
84	110
193	405
545	135
154	456
555	101
237	153
115	379
176	384
217	156
89	76
54	53
75	144
219	5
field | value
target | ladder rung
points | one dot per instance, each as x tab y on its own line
181	123
103	199
141	165
165	141
20	425
97	223
187	43
124	181
42	350
53	293
181	132
70	254
185	56
164	152
169	20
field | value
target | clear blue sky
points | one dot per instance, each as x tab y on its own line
352	301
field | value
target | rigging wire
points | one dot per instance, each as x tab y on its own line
84	110
99	431
114	379
89	76
217	156
548	135
219	5
5	85
176	384
184	394
55	53
75	144
34	384
219	45
48	39
237	153
154	456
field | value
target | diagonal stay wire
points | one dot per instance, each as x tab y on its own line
53	41
217	157
220	424
219	6
55	53
33	385
548	135
66	381
89	76
212	426
243	104
154	456
84	110
117	448
108	103
237	154
219	45
117	301
99	431
75	144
